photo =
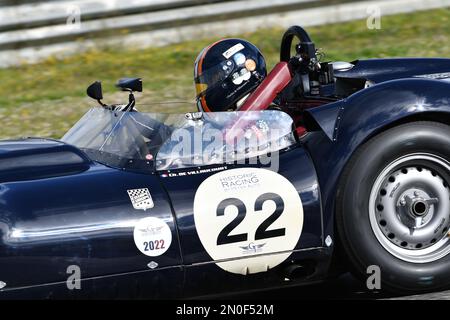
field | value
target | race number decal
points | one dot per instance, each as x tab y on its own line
152	236
252	216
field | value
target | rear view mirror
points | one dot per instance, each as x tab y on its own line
130	84
95	91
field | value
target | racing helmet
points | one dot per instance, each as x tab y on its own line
226	72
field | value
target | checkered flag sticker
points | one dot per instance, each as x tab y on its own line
141	199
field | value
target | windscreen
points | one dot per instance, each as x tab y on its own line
171	141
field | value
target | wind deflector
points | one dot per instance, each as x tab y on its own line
323	118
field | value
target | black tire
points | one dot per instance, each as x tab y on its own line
357	239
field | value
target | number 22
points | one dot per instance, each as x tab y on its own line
261	232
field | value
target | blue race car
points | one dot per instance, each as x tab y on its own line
330	166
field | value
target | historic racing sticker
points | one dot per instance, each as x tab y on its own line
248	220
141	199
152	236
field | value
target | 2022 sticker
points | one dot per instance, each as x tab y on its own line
152	236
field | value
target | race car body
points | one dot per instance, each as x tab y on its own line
350	169
93	209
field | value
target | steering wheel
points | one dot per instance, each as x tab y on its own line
305	49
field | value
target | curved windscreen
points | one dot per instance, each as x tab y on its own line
171	141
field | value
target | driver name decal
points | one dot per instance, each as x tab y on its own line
169	174
249	219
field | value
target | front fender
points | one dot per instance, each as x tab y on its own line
343	126
372	109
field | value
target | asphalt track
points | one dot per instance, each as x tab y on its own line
344	288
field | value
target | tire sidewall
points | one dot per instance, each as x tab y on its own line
360	242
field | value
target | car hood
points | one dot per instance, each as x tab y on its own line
381	70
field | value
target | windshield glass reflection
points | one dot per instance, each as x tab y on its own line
136	140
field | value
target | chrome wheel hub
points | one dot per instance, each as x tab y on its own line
409	208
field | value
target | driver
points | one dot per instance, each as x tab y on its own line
225	74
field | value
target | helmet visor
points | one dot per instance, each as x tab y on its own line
213	76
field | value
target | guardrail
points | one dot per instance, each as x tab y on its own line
57	12
103	18
30	30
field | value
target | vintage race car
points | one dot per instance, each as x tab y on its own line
327	167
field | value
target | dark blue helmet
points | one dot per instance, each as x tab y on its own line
226	72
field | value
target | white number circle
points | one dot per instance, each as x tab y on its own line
152	236
249	219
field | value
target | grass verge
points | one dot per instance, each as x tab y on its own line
45	99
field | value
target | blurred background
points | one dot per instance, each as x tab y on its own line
50	51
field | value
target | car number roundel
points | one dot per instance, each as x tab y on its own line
249	219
